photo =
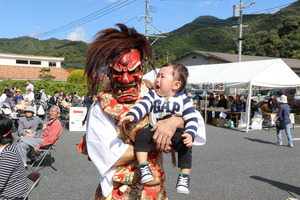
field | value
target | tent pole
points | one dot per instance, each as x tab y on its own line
205	112
248	106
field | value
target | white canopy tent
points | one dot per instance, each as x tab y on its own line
263	73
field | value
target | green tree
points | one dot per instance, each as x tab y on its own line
45	74
77	77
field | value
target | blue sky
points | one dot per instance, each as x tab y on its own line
82	19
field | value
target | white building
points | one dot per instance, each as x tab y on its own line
30	60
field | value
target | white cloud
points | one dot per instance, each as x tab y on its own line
205	3
77	35
34	35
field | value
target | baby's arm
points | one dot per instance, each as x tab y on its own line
126	119
188	141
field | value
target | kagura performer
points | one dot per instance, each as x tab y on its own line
122	55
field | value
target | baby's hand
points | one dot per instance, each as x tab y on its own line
188	141
126	119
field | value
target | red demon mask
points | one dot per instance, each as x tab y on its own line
126	77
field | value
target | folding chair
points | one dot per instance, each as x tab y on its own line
44	151
35	177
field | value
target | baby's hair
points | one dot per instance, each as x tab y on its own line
180	73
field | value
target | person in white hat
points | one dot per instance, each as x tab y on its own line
284	115
29	123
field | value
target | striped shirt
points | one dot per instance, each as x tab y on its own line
162	108
13	180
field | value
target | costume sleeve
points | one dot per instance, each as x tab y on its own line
190	117
200	138
104	146
143	107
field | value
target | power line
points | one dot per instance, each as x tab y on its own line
100	13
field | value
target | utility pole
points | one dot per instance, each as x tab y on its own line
147	20
238	12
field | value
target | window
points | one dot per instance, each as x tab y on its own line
33	62
22	62
52	64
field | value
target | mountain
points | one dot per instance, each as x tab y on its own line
276	35
73	51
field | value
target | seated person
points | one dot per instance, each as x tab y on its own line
18	96
29	122
8	100
49	136
39	106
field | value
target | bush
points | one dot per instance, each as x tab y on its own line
49	86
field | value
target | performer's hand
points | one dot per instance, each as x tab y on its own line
188	141
164	131
126	119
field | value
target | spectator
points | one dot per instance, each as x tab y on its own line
254	108
43	95
29	86
222	102
272	104
9	96
73	100
197	100
4	95
211	100
53	129
216	101
88	100
13	180
230	102
53	100
18	96
238	104
39	106
29	96
284	115
28	122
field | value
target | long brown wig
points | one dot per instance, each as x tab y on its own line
109	45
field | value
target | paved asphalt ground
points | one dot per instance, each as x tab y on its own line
231	165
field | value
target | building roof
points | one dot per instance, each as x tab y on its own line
18	56
32	73
227	58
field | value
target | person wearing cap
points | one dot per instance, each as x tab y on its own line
29	96
29	86
52	131
18	96
29	122
284	115
13	180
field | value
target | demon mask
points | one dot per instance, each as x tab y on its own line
126	76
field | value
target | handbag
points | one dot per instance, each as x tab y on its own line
280	124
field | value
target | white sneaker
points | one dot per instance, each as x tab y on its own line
279	143
290	145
